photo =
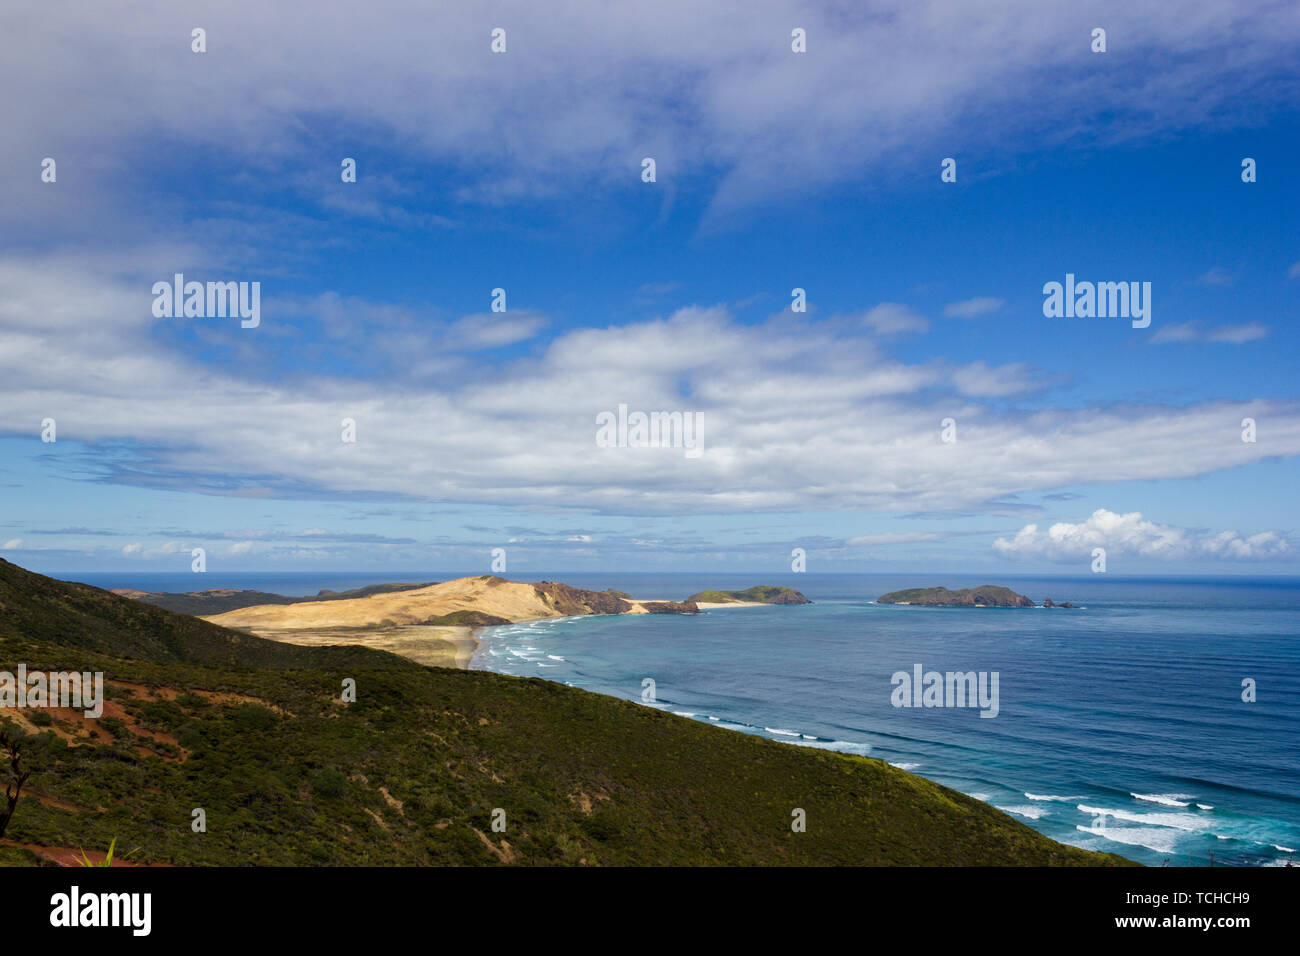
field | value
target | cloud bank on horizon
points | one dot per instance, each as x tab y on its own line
523	171
1131	534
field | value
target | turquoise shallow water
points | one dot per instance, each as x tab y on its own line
1120	726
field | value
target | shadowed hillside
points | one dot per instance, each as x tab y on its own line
220	600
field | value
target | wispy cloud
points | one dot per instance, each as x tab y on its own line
797	413
1216	276
722	95
893	318
895	537
972	308
653	289
1200	332
491	330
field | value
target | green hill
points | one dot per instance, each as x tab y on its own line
758	594
254	733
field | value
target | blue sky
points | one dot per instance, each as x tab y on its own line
775	170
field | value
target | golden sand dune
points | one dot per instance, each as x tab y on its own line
490	595
408	622
512	600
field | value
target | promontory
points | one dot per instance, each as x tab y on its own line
432	624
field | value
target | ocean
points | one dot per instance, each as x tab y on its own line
1119	726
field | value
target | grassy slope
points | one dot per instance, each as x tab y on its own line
296	779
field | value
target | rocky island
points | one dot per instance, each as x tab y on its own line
987	595
759	594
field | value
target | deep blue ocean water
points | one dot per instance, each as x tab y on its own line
1120	725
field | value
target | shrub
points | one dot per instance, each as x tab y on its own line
329	784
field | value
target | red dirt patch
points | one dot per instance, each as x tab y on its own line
71	856
52	801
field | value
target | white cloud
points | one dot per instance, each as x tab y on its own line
895	537
1265	544
695	85
654	289
1183	332
1216	275
979	380
798	414
165	550
1198	332
491	330
971	308
13	544
1238	334
893	318
1134	536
